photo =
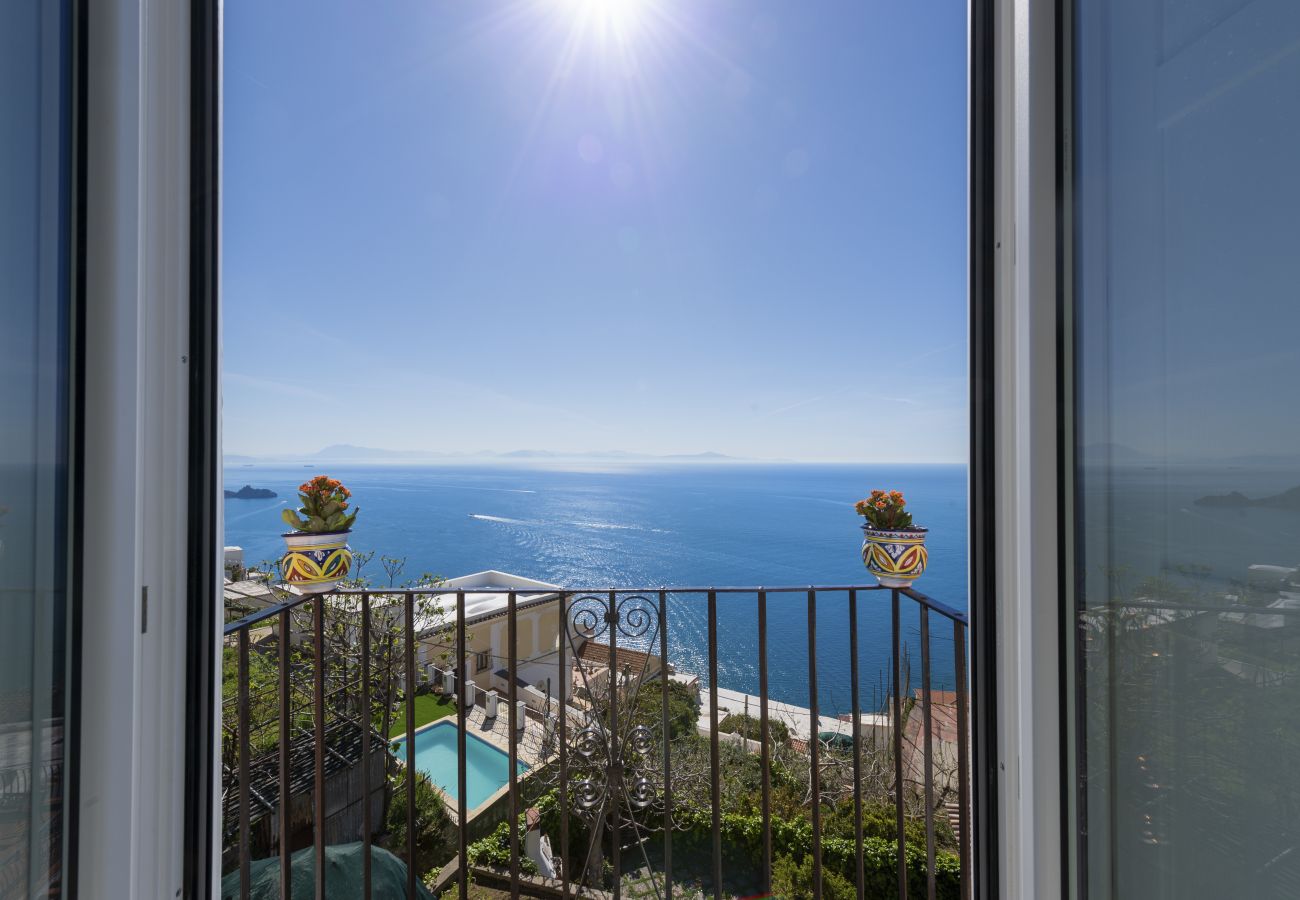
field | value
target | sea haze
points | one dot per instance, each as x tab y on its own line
659	524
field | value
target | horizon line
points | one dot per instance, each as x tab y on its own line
719	459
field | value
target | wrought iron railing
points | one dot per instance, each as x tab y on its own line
611	769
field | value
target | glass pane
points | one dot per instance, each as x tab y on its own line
33	459
1188	445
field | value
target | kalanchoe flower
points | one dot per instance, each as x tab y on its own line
324	507
884	510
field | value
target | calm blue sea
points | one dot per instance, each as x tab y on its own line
660	524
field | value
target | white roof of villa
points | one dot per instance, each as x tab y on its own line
495	597
490	598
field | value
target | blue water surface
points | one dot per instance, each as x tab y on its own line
487	771
651	525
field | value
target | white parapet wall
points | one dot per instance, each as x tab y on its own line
724	737
876	728
233	557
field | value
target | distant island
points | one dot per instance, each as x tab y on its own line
1237	500
248	492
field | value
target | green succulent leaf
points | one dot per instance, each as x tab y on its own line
292	520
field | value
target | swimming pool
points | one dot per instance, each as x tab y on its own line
487	770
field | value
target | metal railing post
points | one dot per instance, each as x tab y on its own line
411	679
668	770
963	759
244	852
898	746
462	811
318	708
857	744
716	787
765	737
928	713
512	739
814	746
367	826
286	739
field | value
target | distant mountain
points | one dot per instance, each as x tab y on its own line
526	454
238	459
351	451
1257	460
1236	500
614	454
1114	454
1123	455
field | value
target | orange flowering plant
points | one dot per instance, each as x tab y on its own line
885	510
324	507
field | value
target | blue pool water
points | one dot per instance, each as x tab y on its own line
488	768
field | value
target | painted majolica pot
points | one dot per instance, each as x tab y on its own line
315	563
896	558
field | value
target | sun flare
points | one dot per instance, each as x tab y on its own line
616	16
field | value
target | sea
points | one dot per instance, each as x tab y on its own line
598	525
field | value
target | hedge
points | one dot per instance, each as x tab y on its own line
793	838
790	838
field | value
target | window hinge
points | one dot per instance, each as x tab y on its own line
144	609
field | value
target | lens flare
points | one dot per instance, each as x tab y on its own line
615	17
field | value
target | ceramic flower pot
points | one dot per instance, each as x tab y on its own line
896	558
315	563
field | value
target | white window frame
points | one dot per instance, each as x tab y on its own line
1029	362
131	802
130	812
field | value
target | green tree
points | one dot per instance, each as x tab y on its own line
683	708
751	727
433	827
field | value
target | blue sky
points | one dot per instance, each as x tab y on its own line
665	226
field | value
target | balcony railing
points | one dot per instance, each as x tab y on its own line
329	668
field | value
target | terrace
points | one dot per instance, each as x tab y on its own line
640	791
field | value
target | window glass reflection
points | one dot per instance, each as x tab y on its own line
33	409
1186	238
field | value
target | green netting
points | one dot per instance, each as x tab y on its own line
342	875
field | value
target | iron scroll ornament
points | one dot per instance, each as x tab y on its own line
614	771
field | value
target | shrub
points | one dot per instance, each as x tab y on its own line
793	838
433	828
683	708
751	727
879	821
791	880
494	850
